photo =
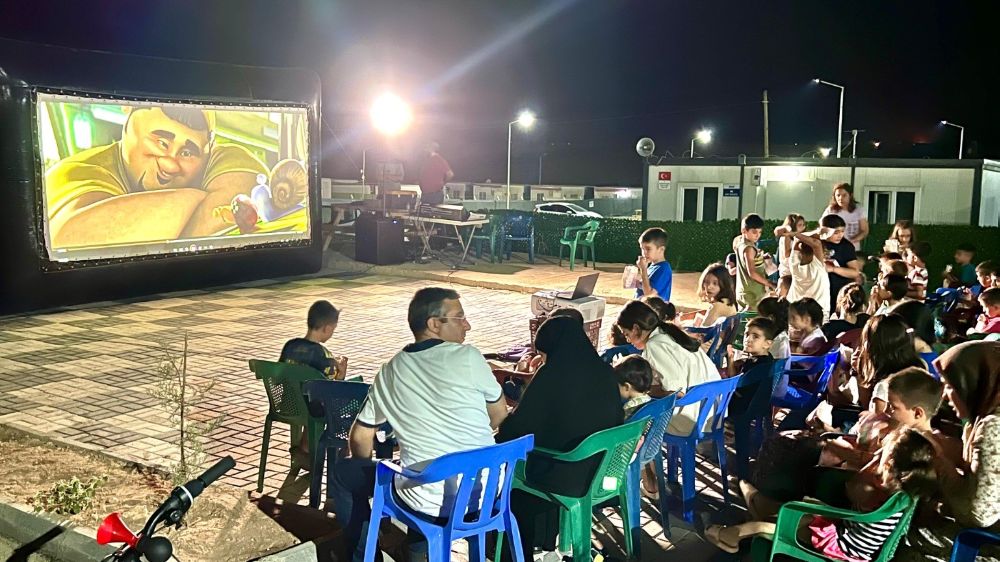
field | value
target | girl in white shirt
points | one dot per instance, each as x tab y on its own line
677	359
844	204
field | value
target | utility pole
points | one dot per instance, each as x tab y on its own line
767	147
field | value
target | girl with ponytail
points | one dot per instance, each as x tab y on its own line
677	359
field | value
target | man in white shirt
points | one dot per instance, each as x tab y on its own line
440	397
808	270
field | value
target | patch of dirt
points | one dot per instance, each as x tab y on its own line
224	525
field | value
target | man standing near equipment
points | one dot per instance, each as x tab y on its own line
434	173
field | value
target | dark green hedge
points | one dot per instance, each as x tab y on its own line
694	245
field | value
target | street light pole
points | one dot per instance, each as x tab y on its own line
840	119
961	136
704	135
510	129
525	119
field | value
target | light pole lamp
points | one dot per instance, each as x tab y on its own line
703	136
840	119
961	136
525	119
390	116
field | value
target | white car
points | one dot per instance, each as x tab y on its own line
566	209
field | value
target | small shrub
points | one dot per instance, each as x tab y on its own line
68	497
179	396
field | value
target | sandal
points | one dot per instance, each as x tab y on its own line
653	495
713	535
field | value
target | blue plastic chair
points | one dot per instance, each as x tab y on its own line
659	412
750	426
801	397
713	397
723	339
929	359
969	541
518	228
945	297
474	509
721	335
340	401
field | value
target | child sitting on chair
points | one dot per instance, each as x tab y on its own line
905	464
806	317
635	377
776	310
989	321
756	364
309	350
715	287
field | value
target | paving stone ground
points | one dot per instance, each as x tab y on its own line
84	376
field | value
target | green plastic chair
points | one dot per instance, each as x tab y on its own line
582	236
283	384
786	542
616	446
491	235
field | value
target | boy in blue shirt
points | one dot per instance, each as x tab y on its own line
654	269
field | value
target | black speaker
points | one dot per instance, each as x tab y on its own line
588	192
526	195
378	240
470	191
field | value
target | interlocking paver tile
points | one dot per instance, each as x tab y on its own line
85	375
26	346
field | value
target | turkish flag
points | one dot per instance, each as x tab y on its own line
664	176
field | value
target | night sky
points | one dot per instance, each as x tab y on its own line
599	74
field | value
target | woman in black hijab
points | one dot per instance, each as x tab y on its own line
573	396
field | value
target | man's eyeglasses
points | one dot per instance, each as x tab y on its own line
462	317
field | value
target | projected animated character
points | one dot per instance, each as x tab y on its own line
161	181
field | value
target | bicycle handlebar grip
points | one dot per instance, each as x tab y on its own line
212	474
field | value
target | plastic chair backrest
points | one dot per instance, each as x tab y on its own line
519	226
829	364
790	514
829	361
462	509
616	446
929	359
658	413
713	398
949	298
723	339
969	541
283	385
591	232
341	402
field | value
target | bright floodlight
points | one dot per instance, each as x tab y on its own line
824	151
704	136
816	80
526	119
943	122
390	114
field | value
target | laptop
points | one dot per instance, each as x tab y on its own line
584	288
